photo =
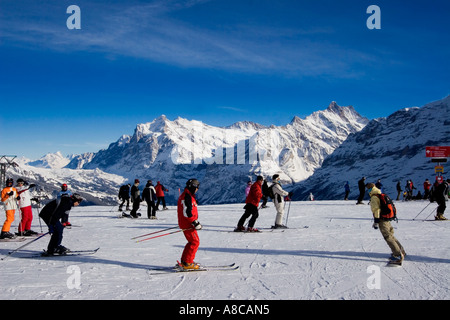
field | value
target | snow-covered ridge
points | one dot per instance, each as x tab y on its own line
391	149
223	158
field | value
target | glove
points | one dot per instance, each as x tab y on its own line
51	229
11	193
291	194
197	225
375	223
32	185
18	198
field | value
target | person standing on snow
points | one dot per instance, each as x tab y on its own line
124	195
52	213
251	207
265	192
8	197
188	222
135	198
278	201
25	208
64	191
384	225
399	190
160	195
426	189
149	195
347	190
439	195
362	190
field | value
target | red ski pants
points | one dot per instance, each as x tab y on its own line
27	217
191	247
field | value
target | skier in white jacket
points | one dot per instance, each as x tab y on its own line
278	201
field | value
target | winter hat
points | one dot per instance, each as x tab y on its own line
370	185
136	180
260	178
76	198
275	177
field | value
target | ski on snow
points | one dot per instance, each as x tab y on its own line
178	269
67	254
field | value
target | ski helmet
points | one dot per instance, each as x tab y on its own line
192	184
9	182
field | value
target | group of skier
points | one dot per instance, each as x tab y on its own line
152	195
55	213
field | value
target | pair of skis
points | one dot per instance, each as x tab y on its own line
178	269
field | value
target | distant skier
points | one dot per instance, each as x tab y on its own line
8	197
426	189
135	198
251	207
160	195
399	190
347	190
149	196
25	208
384	225
247	188
278	201
52	213
124	195
439	195
188	222
362	190
64	191
379	185
265	192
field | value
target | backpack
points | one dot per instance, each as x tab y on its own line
388	210
270	193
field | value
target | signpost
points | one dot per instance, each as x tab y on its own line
438	154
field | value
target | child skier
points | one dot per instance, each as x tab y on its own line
9	196
385	226
187	221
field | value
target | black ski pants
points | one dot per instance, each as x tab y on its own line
250	210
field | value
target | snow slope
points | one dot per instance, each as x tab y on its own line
335	257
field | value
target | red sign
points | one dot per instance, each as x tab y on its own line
437	152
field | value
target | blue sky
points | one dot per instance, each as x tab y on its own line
217	61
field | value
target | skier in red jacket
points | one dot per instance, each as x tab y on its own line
251	207
187	220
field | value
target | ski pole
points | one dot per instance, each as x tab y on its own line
289	209
23	246
421	211
162	235
154	232
430	214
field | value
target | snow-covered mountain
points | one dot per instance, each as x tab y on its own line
51	160
391	149
224	158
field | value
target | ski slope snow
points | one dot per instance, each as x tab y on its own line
330	252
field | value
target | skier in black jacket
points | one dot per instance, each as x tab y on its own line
52	213
135	198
